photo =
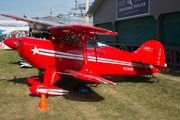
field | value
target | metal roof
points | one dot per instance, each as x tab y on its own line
94	7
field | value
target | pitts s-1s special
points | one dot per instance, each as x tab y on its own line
73	50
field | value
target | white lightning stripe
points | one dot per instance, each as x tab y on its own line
56	93
118	63
56	90
53	53
60	56
53	91
62	53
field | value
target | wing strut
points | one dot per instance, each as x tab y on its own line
84	33
84	37
86	72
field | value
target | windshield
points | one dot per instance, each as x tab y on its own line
90	43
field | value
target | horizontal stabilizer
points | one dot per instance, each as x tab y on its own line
162	69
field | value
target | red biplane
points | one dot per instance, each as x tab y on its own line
73	50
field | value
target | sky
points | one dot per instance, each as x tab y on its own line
34	8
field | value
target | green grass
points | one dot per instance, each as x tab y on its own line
136	97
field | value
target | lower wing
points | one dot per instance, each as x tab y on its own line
93	78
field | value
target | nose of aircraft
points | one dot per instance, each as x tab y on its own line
12	43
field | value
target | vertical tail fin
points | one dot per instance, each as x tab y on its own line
151	52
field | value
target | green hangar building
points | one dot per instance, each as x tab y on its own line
137	21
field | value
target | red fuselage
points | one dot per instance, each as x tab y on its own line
106	61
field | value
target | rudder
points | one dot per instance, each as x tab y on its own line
152	53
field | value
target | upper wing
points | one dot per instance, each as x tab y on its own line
81	29
33	21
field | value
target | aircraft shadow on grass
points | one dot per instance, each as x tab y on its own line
69	82
13	63
19	81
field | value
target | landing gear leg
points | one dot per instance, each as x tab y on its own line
159	80
95	85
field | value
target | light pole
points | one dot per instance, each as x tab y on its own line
87	8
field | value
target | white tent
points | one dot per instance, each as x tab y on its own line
7	32
7	26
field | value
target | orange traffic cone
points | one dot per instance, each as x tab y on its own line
43	104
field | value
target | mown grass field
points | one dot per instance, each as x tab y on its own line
136	97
